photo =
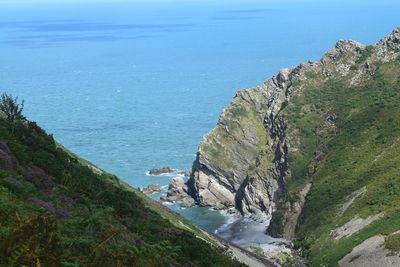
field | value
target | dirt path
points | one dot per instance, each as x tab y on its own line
241	254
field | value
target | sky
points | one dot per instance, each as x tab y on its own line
317	2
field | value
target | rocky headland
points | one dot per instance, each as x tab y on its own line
280	149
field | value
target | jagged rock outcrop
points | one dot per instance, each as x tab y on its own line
178	191
242	162
316	147
152	188
160	171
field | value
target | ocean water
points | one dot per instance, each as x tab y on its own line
133	85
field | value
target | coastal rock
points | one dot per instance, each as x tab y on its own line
242	162
279	139
160	171
152	188
178	191
7	159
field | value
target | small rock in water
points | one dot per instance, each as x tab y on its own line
160	171
152	188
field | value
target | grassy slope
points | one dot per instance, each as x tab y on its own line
111	224
362	149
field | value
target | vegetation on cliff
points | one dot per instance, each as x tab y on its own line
360	148
318	145
59	210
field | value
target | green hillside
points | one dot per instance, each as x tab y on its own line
317	147
349	138
59	210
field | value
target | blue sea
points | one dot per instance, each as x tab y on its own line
134	85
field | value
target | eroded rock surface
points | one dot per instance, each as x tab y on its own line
152	188
243	163
178	191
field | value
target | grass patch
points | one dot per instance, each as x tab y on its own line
392	242
358	129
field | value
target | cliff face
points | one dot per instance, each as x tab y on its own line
242	162
307	137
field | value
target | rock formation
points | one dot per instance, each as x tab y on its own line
242	162
152	188
178	191
160	171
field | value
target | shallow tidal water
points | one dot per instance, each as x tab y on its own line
134	85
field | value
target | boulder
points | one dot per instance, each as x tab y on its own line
178	191
152	188
160	171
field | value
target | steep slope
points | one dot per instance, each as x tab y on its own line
316	147
59	210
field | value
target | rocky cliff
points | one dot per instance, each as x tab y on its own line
242	162
297	146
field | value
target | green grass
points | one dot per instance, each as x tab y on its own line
392	242
361	147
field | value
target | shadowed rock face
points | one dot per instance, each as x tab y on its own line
7	159
178	191
242	163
